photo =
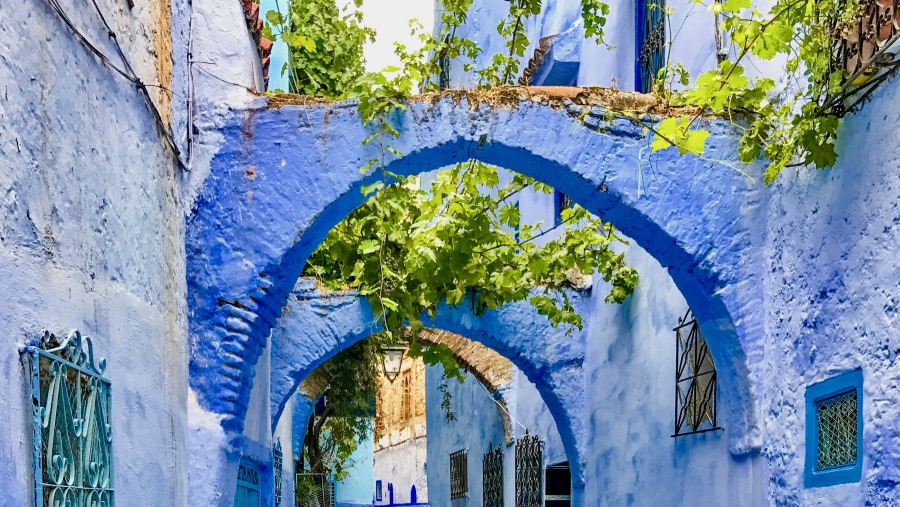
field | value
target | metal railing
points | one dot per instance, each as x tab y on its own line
862	50
529	471
313	490
492	477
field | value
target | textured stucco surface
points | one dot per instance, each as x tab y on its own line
832	296
404	465
284	176
258	217
92	235
792	284
477	425
317	326
629	375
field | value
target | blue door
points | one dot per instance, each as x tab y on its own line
247	494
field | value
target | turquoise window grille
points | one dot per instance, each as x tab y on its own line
73	463
834	430
248	490
651	43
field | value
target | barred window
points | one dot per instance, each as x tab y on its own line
313	490
459	484
561	202
529	465
492	477
695	380
834	430
73	463
836	420
278	464
651	46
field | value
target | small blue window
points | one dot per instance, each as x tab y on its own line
561	202
834	429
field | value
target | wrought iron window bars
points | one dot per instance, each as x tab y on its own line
695	380
492	477
836	419
459	468
651	45
278	465
529	471
73	463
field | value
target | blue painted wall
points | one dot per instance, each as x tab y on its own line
91	236
794	284
359	487
477	425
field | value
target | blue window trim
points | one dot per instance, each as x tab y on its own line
841	384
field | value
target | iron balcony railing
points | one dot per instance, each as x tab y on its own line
863	50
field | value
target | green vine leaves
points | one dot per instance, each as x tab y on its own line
794	126
462	241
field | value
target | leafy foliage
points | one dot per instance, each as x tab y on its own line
409	250
332	435
795	126
463	241
326	46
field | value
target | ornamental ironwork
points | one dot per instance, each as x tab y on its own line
73	463
651	43
459	467
836	419
492	477
862	50
444	64
695	380
529	473
278	464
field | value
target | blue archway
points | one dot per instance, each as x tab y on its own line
331	322
286	175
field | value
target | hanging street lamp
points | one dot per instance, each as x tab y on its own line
391	360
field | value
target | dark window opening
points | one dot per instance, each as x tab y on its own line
558	485
561	202
492	477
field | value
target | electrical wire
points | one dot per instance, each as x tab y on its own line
502	406
127	73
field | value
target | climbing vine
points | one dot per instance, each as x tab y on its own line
795	123
792	122
326	56
461	240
